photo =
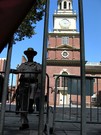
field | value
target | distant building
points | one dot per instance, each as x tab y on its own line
2	69
63	52
2	64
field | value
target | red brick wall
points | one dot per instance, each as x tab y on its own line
52	70
56	54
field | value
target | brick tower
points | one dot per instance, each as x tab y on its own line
63	52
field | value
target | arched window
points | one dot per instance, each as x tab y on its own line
65	4
69	5
60	5
58	82
64	79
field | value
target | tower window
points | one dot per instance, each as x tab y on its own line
69	5
65	40
60	5
65	5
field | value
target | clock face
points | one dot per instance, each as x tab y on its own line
64	23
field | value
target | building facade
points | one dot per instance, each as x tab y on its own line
63	51
2	64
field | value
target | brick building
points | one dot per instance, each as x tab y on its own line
63	51
2	67
2	64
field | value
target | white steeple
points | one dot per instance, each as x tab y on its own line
64	18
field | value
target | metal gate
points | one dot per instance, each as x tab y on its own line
67	117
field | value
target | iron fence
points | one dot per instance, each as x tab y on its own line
11	105
69	111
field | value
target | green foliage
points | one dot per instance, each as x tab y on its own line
27	28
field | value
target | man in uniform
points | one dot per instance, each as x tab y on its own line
28	85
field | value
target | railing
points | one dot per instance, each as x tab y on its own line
14	78
69	111
12	86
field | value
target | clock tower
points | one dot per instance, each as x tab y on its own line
64	19
63	51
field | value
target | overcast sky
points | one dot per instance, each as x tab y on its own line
92	25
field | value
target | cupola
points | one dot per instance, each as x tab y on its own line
64	4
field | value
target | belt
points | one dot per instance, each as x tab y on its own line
28	80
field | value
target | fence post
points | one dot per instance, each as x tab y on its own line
5	85
82	64
45	39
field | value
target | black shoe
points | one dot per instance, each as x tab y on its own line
24	126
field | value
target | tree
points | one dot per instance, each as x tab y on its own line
27	28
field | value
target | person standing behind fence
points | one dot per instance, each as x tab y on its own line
28	85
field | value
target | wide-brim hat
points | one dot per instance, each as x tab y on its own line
30	51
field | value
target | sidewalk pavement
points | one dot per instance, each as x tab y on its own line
12	123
